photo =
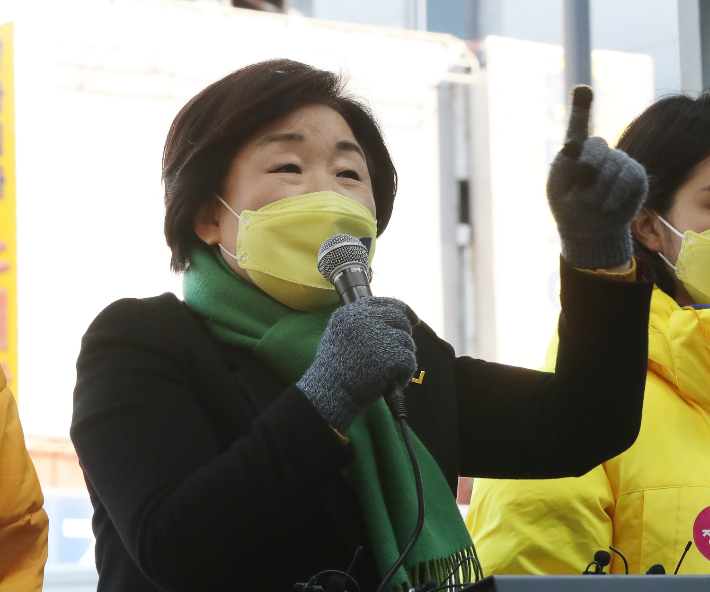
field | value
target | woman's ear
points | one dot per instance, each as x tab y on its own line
647	229
207	222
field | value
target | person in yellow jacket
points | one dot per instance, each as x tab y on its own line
645	501
23	521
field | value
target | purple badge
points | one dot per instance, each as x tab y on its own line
701	533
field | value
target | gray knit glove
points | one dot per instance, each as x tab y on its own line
594	193
366	348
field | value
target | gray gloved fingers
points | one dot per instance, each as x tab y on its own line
376	302
399	343
388	310
591	160
630	182
564	168
366	347
402	366
580	113
594	152
584	171
594	193
618	180
610	178
603	168
404	341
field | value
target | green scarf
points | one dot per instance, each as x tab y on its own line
240	314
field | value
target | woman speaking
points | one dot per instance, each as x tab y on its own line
239	440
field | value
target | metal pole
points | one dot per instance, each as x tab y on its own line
421	17
577	40
704	13
694	44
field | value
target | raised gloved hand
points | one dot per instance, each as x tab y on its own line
594	193
366	348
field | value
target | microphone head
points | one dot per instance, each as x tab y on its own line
340	250
602	557
335	584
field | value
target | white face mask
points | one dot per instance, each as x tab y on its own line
693	265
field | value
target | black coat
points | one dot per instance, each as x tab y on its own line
206	472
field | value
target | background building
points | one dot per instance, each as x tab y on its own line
636	26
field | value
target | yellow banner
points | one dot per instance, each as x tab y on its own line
8	220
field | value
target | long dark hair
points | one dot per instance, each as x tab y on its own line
208	132
670	139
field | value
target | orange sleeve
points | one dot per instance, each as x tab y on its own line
23	522
624	276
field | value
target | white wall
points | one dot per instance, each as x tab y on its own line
98	83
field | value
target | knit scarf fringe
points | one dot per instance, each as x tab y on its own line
459	568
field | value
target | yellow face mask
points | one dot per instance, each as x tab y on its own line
278	244
693	265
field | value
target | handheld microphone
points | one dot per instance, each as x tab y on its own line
342	261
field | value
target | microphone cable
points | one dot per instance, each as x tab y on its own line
478	572
313	582
335	583
597	569
395	400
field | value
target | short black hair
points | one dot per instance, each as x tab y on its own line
208	132
670	139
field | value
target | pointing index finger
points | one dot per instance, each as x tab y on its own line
578	127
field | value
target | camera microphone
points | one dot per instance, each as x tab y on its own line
601	560
687	548
620	554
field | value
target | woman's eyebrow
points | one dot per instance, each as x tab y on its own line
348	146
282	137
343	145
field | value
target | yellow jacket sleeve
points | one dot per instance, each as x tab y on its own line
23	521
549	527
